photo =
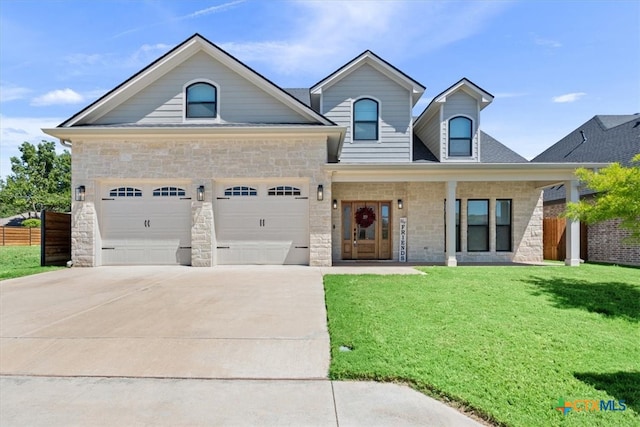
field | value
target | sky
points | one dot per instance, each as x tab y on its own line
551	65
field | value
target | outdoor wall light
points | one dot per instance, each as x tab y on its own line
335	204
400	204
200	193
80	192
320	193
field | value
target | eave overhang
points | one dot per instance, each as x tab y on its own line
542	174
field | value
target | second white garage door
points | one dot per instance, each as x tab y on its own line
262	223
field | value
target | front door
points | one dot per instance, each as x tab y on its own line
366	230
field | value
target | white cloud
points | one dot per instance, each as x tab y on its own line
212	9
10	92
16	130
568	97
387	27
57	97
546	42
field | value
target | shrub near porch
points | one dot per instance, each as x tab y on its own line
505	342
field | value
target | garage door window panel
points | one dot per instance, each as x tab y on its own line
125	192
240	191
284	190
169	192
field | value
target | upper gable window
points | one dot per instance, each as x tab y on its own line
201	101
460	131
365	120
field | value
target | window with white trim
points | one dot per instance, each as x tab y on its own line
284	190
201	101
460	135
240	191
125	192
365	120
168	192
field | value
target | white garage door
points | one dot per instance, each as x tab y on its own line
258	223
145	224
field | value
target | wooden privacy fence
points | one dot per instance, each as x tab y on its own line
19	236
554	232
56	238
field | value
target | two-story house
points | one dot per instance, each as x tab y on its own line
200	160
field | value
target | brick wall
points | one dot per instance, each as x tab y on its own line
605	240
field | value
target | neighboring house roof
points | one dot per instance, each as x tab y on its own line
484	97
370	58
603	138
174	58
491	151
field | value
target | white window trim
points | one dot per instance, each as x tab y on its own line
473	133
352	117
217	118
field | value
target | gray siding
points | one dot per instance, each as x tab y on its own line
457	104
240	101
432	135
395	116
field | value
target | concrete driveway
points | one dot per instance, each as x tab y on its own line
179	322
167	346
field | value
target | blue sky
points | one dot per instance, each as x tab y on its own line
551	65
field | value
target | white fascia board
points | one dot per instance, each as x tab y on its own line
542	173
184	132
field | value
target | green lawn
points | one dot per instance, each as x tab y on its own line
18	261
503	342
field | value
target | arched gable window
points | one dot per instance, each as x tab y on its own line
365	120
202	101
460	135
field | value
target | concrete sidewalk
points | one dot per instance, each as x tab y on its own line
48	401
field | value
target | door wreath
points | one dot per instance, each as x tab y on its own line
365	217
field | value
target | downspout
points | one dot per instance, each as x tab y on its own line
65	143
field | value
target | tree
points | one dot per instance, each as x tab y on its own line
618	196
41	179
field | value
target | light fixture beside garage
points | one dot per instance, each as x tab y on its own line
400	204
80	193
335	204
200	193
320	193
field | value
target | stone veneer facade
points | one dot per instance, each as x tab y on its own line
605	240
198	161
424	209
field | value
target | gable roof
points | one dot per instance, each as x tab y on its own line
491	151
379	64
172	59
464	84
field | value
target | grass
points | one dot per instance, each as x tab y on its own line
505	343
18	261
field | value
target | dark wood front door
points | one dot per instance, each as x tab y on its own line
366	230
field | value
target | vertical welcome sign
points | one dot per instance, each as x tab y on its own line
403	240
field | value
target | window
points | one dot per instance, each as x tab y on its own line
168	191
457	225
240	191
460	130
365	120
125	192
284	190
477	225
503	225
201	101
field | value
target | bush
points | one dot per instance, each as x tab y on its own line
31	223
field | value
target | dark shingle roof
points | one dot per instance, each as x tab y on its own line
600	139
491	151
605	138
301	94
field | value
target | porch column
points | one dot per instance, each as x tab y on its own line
573	227
450	238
